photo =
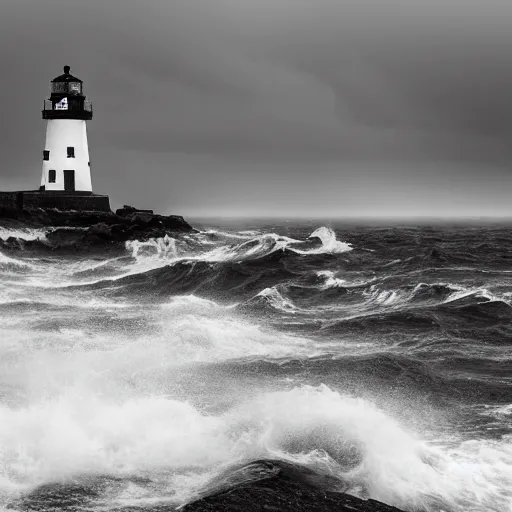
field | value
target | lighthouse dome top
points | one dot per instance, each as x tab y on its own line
66	77
67	99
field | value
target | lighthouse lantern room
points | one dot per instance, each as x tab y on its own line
66	164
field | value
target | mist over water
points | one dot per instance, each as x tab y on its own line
377	355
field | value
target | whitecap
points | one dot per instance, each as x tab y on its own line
277	301
23	233
330	244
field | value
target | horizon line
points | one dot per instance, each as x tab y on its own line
348	217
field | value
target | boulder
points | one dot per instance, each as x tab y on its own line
128	210
279	486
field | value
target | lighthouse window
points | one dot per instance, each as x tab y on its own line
59	87
71	152
74	87
46	155
51	176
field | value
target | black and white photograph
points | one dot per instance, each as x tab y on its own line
256	256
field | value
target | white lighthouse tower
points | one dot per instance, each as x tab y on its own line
66	178
66	164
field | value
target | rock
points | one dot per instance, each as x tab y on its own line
100	229
39	217
127	210
281	487
85	230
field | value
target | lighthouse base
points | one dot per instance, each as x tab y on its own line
59	199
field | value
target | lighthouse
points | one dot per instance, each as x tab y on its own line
66	164
66	175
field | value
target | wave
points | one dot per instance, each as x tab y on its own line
267	273
469	315
158	253
369	297
329	280
24	234
115	345
330	245
269	299
265	244
253	247
267	250
324	289
183	450
227	281
432	294
163	261
438	292
13	264
484	313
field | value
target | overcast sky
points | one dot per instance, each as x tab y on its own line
272	107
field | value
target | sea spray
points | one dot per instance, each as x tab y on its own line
163	247
79	433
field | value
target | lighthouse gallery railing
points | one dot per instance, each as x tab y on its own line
74	110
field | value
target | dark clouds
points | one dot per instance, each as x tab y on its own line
282	106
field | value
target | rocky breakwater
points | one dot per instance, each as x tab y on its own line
78	231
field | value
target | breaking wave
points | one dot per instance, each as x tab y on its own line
22	234
368	451
330	245
253	247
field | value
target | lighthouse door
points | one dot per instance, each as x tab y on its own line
69	180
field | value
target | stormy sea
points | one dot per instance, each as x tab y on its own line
367	360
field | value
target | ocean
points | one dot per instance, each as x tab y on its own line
378	355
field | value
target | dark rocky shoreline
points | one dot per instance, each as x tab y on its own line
78	231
